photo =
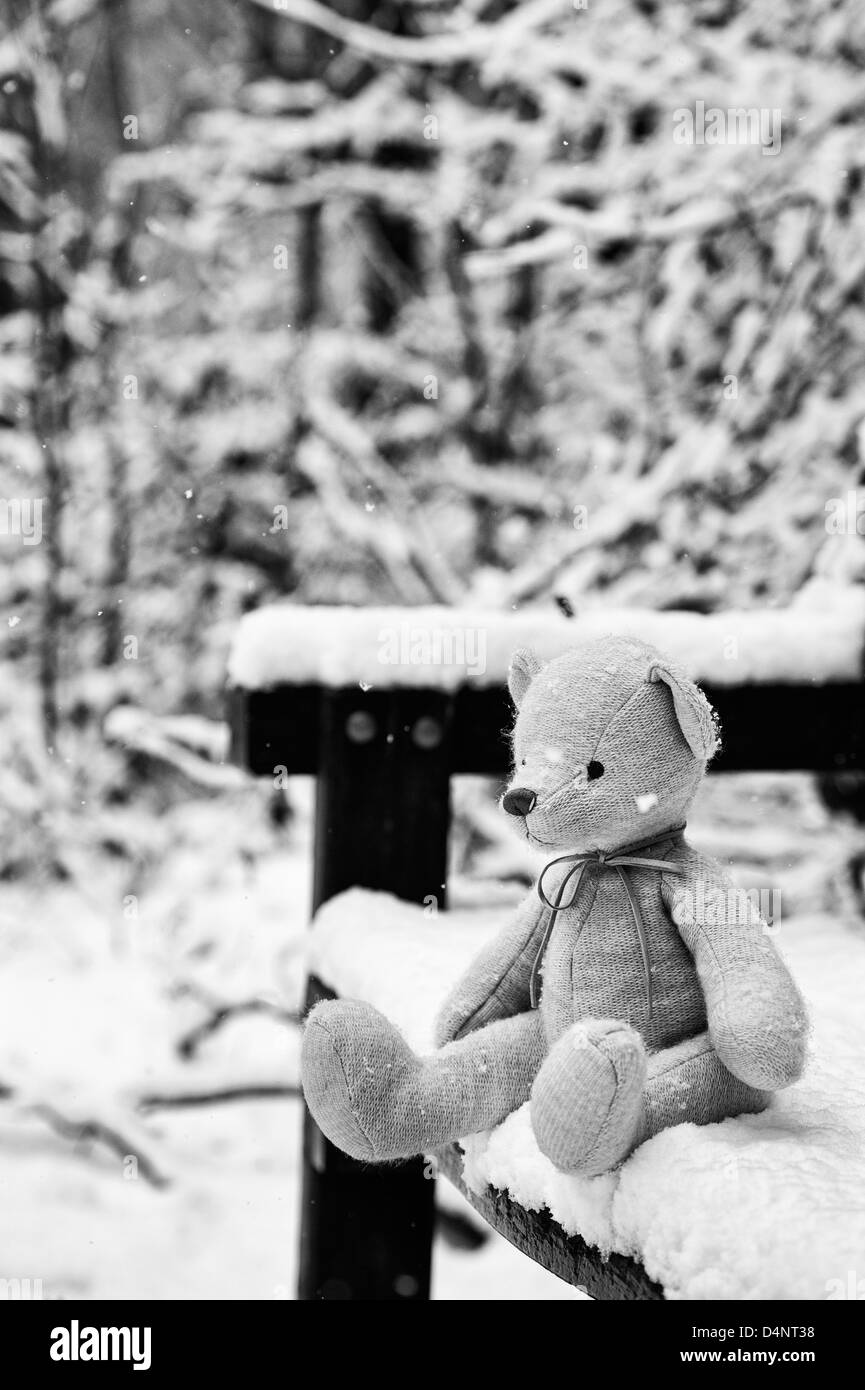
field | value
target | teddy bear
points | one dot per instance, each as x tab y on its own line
634	988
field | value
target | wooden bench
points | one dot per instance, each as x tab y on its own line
383	753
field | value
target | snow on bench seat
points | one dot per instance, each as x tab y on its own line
769	1206
448	648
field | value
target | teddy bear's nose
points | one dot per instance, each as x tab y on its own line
519	801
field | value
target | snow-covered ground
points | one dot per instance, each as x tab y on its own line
93	1004
96	992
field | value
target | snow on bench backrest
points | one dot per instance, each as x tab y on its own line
448	648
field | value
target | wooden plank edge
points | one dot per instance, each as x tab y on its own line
539	1236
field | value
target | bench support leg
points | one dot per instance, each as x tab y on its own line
382	816
366	1233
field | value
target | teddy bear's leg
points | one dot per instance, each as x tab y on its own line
689	1082
376	1099
587	1100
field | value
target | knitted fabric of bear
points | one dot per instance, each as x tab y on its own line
634	989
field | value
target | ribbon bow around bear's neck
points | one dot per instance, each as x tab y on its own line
627	857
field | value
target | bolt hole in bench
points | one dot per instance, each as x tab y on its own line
384	708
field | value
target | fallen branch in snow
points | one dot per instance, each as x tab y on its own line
81	1131
189	1044
264	1091
116	1137
121	1131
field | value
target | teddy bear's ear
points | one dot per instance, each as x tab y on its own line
696	718
521	672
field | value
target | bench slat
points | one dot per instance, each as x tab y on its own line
767	728
536	1234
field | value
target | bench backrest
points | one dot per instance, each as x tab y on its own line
383	751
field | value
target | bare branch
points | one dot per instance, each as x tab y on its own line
90	1130
318	464
376	43
175	1100
328	357
563	225
162	740
189	1044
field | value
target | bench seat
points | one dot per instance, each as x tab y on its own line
760	1207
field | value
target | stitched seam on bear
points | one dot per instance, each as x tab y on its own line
354	1107
557	791
494	992
633	695
545	805
603	1126
493	995
595	885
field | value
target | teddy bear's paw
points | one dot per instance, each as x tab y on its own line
353	1060
587	1099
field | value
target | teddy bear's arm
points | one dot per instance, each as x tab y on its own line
496	984
756	1016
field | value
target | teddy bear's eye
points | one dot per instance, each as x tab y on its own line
523	762
594	770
